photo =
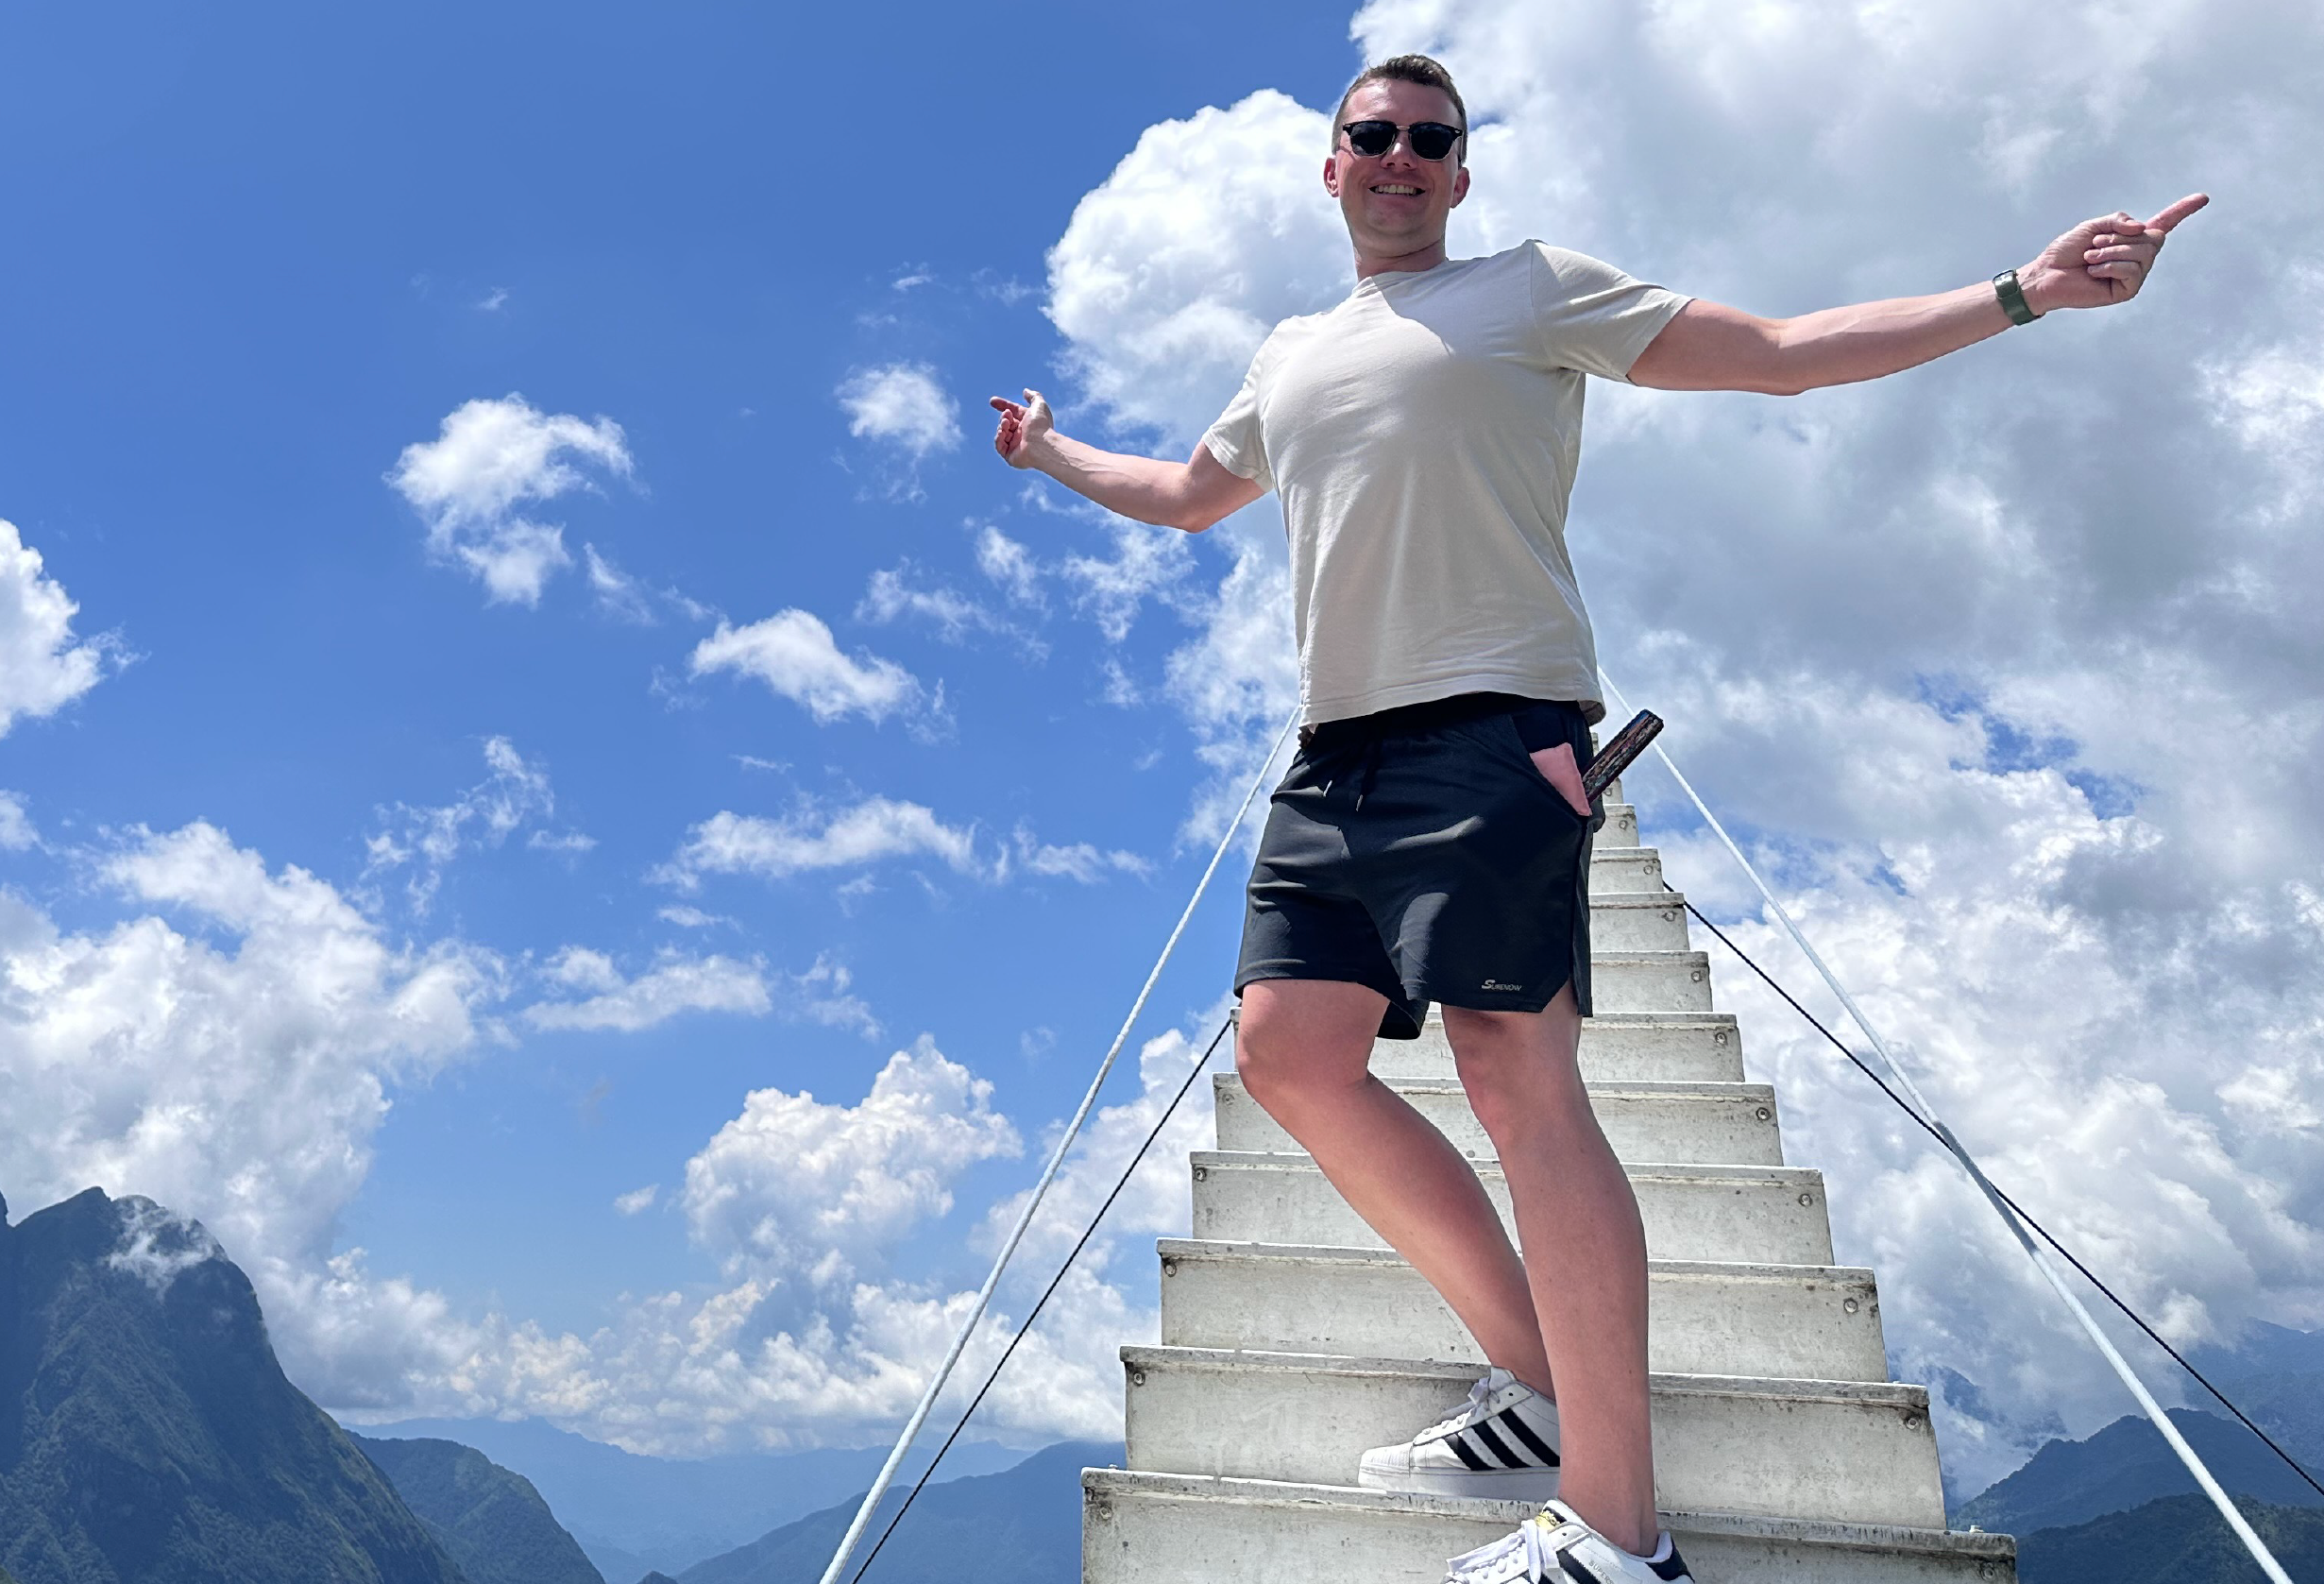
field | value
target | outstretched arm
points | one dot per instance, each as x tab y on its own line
1192	494
1710	347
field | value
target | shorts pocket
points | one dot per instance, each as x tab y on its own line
1507	735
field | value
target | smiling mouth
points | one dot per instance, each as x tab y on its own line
1395	189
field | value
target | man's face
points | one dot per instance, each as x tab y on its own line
1395	203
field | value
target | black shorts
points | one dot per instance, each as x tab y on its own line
1420	852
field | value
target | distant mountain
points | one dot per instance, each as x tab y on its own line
2261	1349
149	1437
1019	1527
2179	1540
2125	1465
632	1514
493	1522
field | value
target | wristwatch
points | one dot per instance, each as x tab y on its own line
2012	298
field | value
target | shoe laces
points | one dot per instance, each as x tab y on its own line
1473	1408
1532	1539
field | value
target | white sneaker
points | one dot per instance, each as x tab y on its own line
1501	1444
1558	1546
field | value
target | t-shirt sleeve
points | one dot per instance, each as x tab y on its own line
1236	438
1593	317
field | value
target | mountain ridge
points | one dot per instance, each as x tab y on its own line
148	1431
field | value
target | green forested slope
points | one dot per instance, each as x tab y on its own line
2179	1540
149	1437
493	1522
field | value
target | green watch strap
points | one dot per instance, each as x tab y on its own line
2012	298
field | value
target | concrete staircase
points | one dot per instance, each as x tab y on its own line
1291	1339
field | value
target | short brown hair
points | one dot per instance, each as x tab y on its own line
1428	73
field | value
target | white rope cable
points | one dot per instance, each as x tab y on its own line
1048	1174
2154	1410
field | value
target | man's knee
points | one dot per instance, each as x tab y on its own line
1294	1041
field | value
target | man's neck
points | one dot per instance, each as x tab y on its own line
1391	263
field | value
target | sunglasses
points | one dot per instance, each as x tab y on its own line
1428	140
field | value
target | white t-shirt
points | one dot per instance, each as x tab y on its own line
1423	437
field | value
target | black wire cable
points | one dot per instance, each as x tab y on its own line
2015	1208
1023	1330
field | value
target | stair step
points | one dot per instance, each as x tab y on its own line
1650	981
1703	1317
1762	1215
1160	1529
1723	1124
1615	868
1617	1047
1620	828
1847	1450
1637	921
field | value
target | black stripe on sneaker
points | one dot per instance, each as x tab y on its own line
1533	1443
1462	1450
1482	1430
1672	1567
1575	1570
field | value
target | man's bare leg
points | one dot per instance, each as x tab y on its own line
1304	1046
1586	1252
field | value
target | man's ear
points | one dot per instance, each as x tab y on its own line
1331	174
1460	187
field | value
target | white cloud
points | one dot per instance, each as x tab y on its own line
42	666
1009	564
236	1074
514	792
494	456
1080	861
873	830
793	653
675	984
902	404
16	828
796	1189
1171	273
638	1200
893	595
688	917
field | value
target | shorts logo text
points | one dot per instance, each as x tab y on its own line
1496	984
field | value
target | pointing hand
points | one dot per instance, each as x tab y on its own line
2102	261
1021	426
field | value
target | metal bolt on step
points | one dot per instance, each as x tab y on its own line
1912	1422
1695	974
1806	1201
1202	1174
1847	1306
1719	1038
1170	1268
1137	1377
1765	1115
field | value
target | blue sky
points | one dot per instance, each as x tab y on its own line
278	250
398	921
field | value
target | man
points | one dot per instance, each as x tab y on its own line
1430	839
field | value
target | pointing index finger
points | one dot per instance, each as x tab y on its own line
2177	212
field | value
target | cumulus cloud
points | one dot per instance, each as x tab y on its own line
235	1072
515	792
492	458
793	653
42	666
1009	565
1962	680
797	1188
870	831
901	404
16	828
673	985
898	593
